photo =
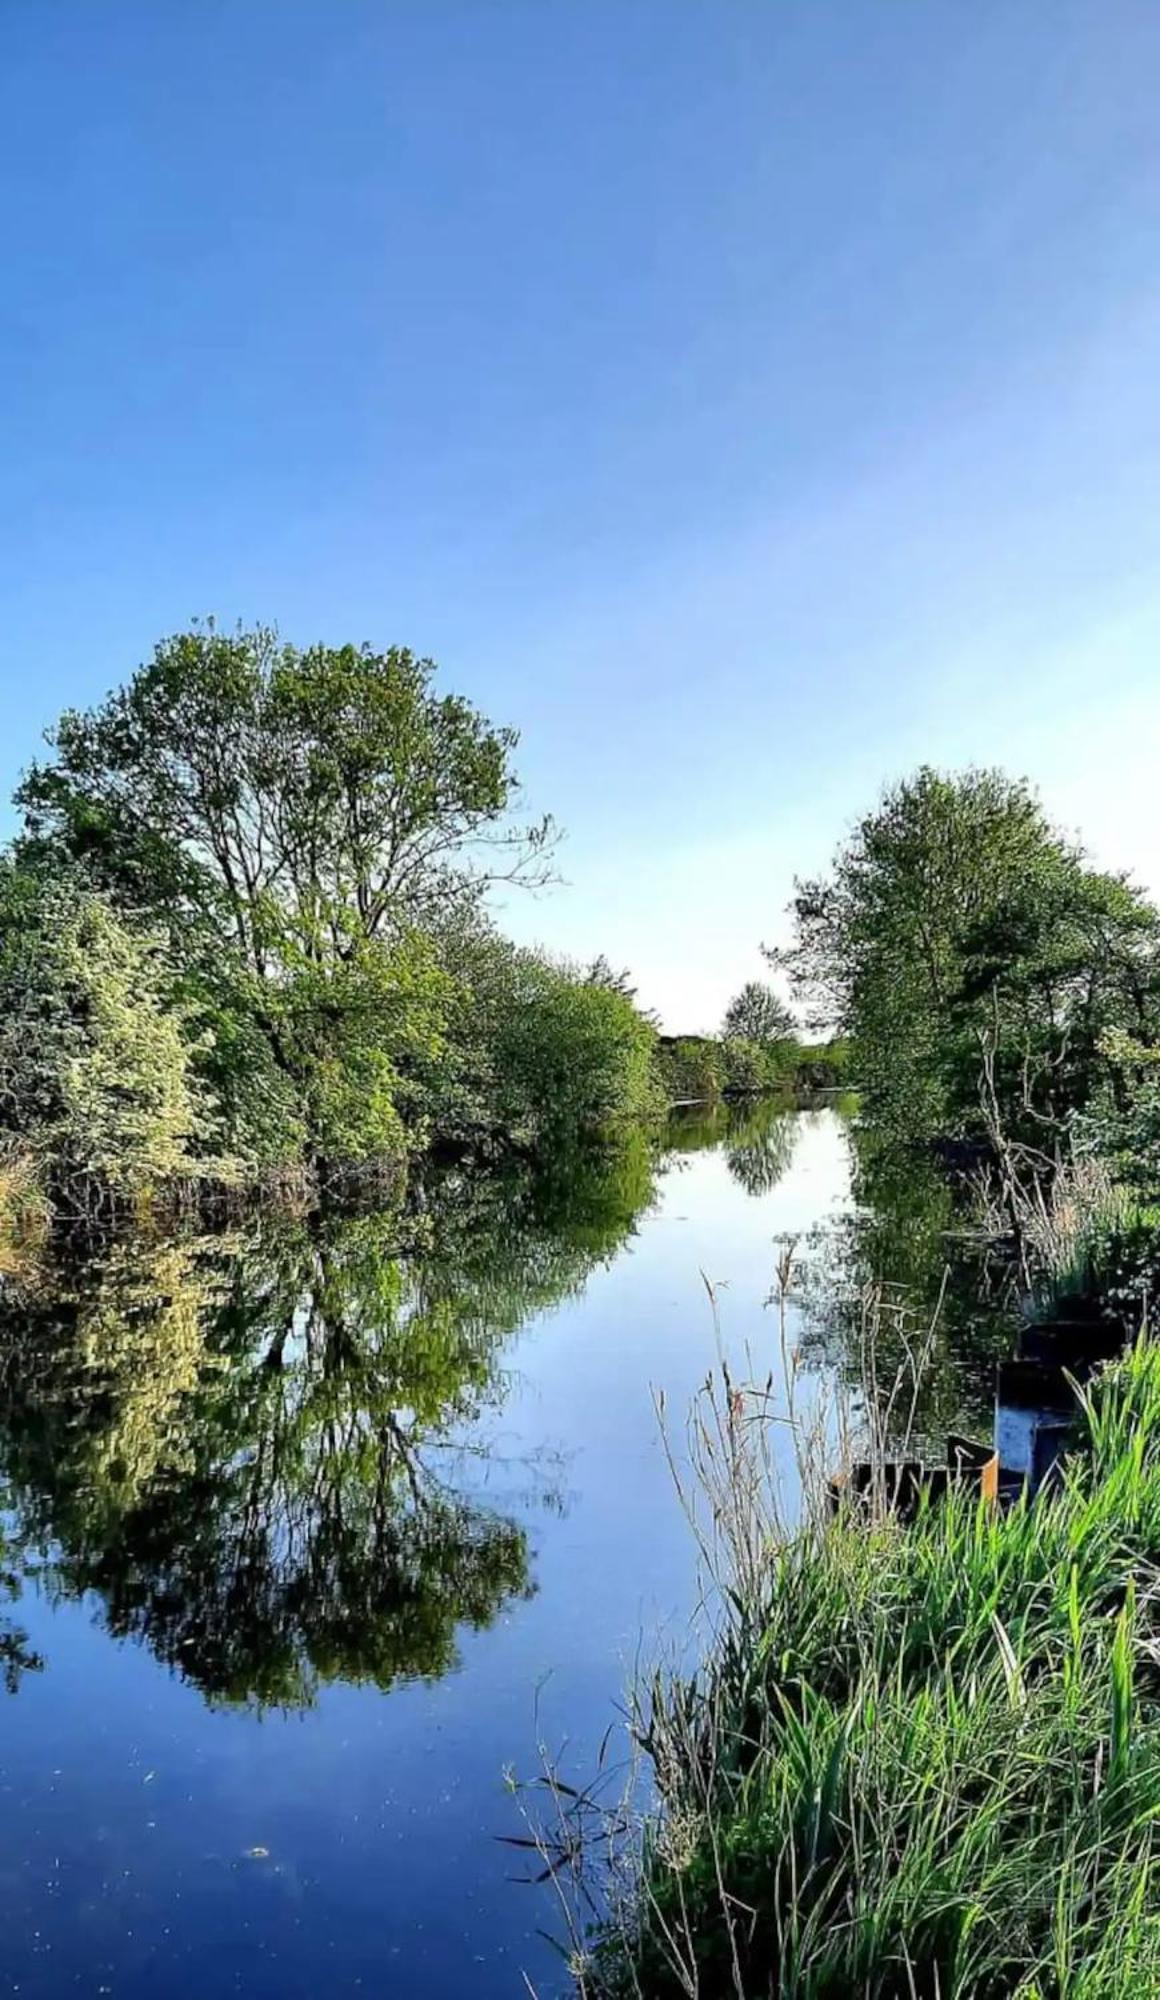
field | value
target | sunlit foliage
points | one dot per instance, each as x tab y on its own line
96	1076
956	911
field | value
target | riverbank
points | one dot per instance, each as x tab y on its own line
920	1759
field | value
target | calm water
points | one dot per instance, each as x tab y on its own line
313	1529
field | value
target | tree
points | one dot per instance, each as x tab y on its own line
308	800
691	1068
350	1030
298	820
954	911
569	1054
756	1014
540	1049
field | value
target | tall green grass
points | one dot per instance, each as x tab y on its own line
922	1760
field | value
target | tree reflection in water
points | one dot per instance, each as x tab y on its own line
250	1447
904	1238
758	1136
906	1243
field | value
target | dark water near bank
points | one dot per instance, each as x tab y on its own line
315	1528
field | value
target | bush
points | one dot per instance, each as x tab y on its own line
348	1030
699	1069
751	1067
824	1065
570	1055
691	1068
96	1074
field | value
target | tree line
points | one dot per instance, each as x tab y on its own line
999	997
922	1754
245	939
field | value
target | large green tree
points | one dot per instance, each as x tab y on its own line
299	820
956	914
291	800
757	1014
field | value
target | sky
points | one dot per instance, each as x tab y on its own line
748	399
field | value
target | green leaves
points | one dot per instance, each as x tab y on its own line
289	800
956	910
96	1058
301	822
757	1015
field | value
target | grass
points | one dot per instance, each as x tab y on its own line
920	1761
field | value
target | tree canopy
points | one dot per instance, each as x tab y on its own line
957	912
757	1014
298	802
294	848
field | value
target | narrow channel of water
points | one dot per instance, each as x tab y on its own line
313	1530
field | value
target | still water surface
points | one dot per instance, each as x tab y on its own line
315	1528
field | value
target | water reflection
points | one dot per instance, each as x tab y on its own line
251	1448
273	1460
904	1234
757	1135
906	1238
17	1657
260	1451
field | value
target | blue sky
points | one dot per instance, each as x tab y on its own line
749	401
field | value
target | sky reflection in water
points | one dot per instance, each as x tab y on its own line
319	1527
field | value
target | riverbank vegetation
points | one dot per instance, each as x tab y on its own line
1000	999
245	942
956	918
923	1758
760	1048
245	945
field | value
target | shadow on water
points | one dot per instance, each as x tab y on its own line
251	1447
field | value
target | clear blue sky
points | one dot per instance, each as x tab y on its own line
747	400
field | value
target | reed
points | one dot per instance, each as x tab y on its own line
920	1760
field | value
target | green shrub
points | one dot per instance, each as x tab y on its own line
824	1065
570	1055
96	1074
691	1068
